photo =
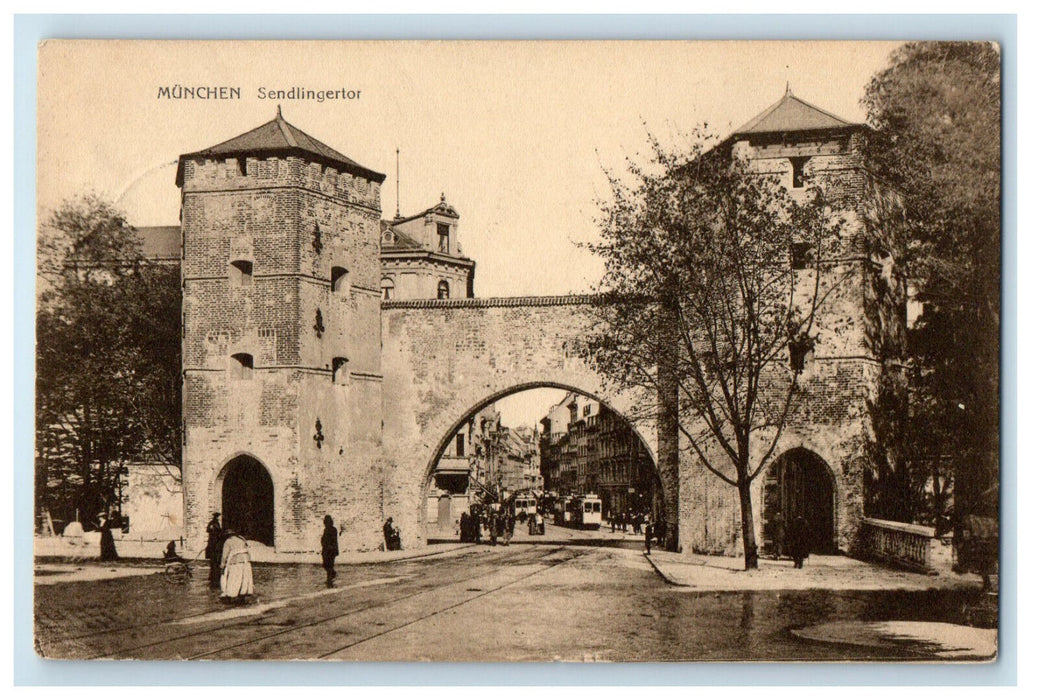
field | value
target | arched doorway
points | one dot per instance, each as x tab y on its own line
248	499
799	484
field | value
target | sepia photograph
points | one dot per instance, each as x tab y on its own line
518	351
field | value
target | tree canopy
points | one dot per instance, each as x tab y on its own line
936	111
712	286
107	360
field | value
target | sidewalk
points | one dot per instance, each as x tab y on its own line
81	563
712	573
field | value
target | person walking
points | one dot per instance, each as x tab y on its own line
649	530
236	581
213	549
108	552
329	549
797	541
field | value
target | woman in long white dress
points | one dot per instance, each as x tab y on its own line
236	581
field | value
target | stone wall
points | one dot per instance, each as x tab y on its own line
300	225
444	360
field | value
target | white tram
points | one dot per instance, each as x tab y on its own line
583	512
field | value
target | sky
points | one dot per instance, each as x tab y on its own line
517	135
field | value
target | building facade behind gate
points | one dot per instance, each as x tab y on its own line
311	386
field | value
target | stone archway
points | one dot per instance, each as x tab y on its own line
799	483
247	499
645	434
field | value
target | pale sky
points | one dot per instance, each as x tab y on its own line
516	134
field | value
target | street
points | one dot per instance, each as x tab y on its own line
525	602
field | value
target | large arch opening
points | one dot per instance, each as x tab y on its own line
540	442
247	498
799	484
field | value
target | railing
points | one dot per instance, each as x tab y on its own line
910	546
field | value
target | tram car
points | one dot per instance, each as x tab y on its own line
582	512
525	507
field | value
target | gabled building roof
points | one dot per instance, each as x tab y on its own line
400	239
791	113
279	138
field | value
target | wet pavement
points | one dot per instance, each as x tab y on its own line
563	601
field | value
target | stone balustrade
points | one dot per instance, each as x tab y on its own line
901	544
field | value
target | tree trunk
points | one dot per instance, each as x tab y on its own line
749	537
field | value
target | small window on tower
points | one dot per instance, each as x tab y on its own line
799	163
444	231
800	255
241	366
387	287
241	273
340	370
339	279
443	290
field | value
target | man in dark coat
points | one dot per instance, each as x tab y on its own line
329	548
214	549
391	535
797	544
649	529
463	528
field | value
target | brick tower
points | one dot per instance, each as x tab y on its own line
827	450
281	348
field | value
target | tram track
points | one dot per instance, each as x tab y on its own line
333	618
499	559
452	607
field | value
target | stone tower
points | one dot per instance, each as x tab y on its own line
827	450
281	347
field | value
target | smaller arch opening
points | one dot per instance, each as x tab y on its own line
247	499
388	288
241	273
241	366
799	484
340	371
338	280
443	290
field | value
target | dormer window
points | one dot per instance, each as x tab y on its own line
444	232
799	163
387	287
241	366
241	273
443	290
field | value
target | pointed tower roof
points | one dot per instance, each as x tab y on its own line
791	113
279	138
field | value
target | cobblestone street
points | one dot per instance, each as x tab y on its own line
560	601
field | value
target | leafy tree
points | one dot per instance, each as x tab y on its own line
936	111
700	300
107	360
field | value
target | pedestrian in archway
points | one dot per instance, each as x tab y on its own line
797	543
329	549
214	548
649	530
108	552
236	581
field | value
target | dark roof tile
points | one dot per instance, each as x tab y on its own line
278	137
